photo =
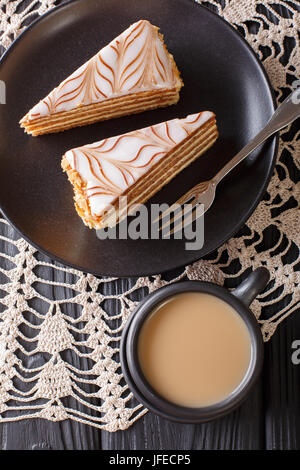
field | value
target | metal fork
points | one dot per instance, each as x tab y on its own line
204	193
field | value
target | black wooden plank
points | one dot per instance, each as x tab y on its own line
281	386
39	434
242	429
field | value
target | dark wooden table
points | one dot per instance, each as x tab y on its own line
269	419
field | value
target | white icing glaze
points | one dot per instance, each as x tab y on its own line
110	166
133	62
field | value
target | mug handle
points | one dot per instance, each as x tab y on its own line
252	285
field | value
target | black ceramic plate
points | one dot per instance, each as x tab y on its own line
220	72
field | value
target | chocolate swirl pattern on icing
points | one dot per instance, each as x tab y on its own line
112	165
133	62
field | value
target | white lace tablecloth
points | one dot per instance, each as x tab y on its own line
59	355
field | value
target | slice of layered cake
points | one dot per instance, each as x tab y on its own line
135	165
134	73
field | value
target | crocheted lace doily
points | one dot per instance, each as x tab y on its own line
80	374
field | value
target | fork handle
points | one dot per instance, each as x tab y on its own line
286	113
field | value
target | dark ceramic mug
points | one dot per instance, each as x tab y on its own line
239	299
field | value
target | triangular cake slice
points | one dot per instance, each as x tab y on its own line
134	73
135	165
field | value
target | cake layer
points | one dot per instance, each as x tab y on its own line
110	166
102	111
151	158
135	62
141	193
